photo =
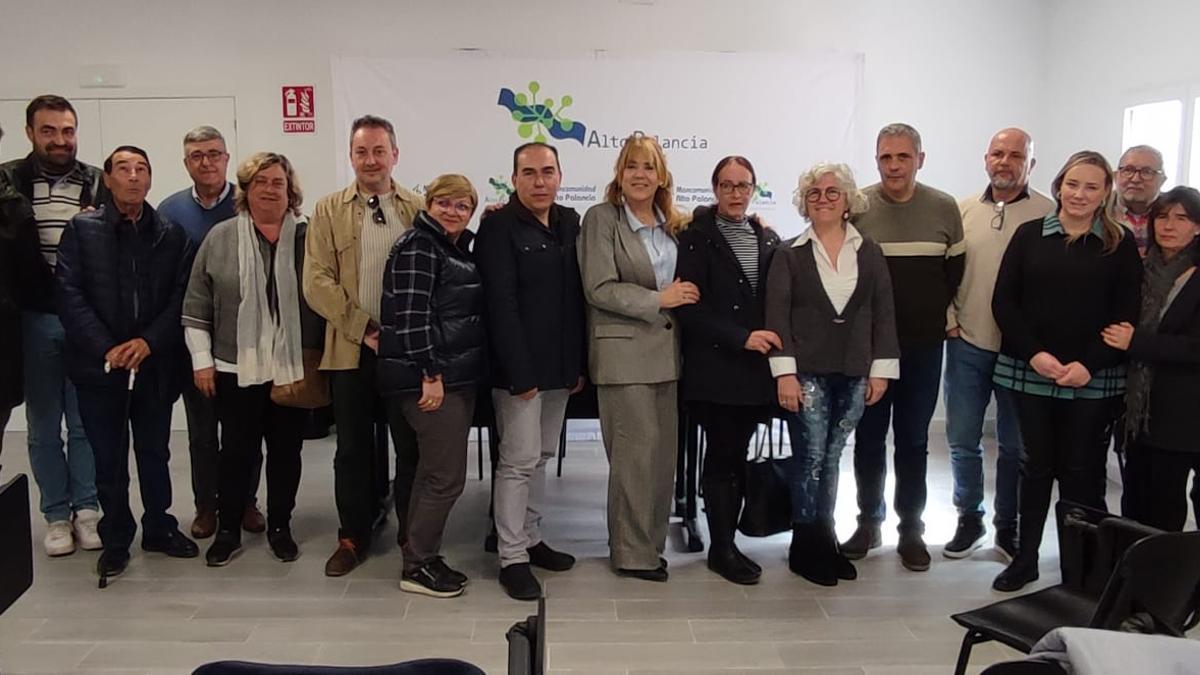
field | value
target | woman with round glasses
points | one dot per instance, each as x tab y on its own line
431	361
726	381
830	303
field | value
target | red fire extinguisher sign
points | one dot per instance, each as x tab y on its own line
299	111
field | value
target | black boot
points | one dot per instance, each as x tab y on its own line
1024	567
735	513
842	567
808	555
723	556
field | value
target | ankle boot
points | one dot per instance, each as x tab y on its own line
842	567
735	513
808	555
723	557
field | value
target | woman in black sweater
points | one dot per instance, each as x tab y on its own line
726	381
1062	280
1160	427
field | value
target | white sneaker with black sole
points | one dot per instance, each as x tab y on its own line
429	580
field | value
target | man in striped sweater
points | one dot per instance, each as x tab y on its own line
921	233
57	186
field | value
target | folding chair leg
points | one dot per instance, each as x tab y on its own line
964	653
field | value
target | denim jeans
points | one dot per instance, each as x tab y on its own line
968	389
832	407
67	482
912	399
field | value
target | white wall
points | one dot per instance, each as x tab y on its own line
1107	55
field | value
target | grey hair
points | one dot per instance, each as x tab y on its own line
203	133
856	201
1143	148
900	129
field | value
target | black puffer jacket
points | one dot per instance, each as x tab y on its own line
432	312
118	281
35	274
15	212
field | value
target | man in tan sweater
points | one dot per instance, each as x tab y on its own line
973	341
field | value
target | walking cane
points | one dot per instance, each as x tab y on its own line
124	429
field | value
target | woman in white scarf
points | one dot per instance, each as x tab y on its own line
242	319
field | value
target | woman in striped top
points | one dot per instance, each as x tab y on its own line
726	382
1062	280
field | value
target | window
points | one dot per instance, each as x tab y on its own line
1158	124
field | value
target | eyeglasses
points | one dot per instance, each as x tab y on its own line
461	207
213	156
741	188
377	216
998	219
831	194
1145	172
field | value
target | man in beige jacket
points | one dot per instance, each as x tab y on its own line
349	238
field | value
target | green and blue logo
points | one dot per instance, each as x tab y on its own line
537	119
502	188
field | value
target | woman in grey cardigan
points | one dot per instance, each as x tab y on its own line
829	298
246	324
627	252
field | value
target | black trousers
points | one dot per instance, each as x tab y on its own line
357	406
1156	485
1067	441
727	433
249	417
110	417
205	449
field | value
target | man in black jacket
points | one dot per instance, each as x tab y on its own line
13	210
122	272
54	186
535	321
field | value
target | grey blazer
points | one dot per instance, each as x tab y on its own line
630	339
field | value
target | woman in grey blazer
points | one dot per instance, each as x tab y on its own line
627	252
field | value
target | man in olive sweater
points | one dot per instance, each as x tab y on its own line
921	233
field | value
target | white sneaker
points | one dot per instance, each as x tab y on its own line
58	539
85	529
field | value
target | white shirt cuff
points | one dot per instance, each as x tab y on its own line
782	365
888	369
199	344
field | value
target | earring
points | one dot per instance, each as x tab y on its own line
845	215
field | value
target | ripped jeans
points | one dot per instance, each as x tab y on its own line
831	409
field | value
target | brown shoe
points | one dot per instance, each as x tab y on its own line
204	524
343	560
253	520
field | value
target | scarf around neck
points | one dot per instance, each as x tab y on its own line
268	348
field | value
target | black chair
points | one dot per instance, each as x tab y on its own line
16	555
418	667
1024	668
1153	588
527	644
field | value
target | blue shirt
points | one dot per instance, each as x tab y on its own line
184	209
659	245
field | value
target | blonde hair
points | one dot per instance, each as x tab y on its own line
257	163
1113	232
451	186
640	145
856	201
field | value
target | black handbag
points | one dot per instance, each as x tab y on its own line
767	499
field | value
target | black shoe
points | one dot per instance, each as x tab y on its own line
112	562
440	566
547	558
913	553
1006	543
843	569
808	557
174	544
725	561
429	580
282	545
520	584
749	562
1022	571
968	536
659	574
721	502
224	548
866	537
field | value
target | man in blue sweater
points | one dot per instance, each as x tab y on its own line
197	209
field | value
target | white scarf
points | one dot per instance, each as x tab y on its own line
268	350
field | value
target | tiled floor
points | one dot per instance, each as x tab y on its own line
168	616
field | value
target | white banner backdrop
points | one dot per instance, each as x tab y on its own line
465	115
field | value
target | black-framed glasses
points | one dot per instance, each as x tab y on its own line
213	156
831	194
727	187
1145	172
998	218
377	216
